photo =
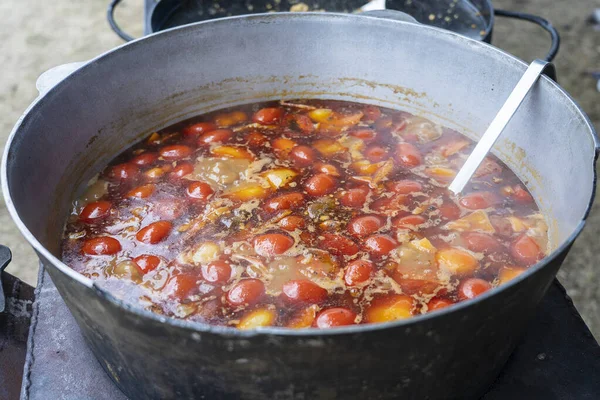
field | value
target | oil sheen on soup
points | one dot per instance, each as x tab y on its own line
301	214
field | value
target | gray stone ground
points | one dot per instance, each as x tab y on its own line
38	34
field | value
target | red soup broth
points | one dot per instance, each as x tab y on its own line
302	214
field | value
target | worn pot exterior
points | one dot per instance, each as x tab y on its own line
69	134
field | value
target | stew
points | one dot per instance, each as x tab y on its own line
302	214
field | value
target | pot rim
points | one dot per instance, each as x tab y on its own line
233	332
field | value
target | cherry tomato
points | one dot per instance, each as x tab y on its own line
270	244
480	242
326	169
183	284
333	317
389	203
124	172
182	169
299	123
358	272
216	136
95	211
268	116
256	139
304	291
405	186
216	272
409	222
144	159
380	245
292	222
355	197
371	113
478	200
199	190
147	263
154	232
364	134
365	225
101	246
472	288
141	191
438	304
376	154
339	244
246	292
285	201
521	195
199	129
408	155
303	156
525	250
320	185
449	211
175	152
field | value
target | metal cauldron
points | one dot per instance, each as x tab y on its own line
77	127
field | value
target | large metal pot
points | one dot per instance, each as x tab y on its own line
70	133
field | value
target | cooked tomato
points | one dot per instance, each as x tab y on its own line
271	244
101	246
358	272
246	292
333	317
303	291
147	262
268	116
472	288
365	225
380	245
216	272
154	232
95	211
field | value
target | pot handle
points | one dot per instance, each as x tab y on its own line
110	15
5	259
542	22
53	76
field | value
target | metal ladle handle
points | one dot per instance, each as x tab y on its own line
485	144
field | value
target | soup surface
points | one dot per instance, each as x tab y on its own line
301	214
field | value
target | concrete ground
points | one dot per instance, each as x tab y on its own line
38	34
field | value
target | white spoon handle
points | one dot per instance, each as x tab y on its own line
492	133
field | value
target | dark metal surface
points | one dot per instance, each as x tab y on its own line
14	328
558	357
462	349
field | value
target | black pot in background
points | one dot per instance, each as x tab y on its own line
472	18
